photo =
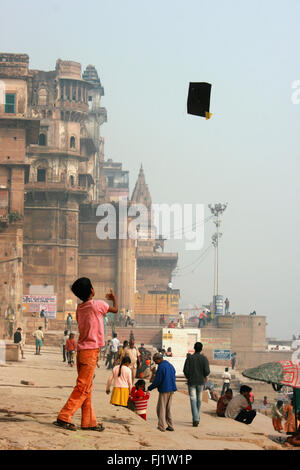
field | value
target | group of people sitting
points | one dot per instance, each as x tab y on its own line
239	407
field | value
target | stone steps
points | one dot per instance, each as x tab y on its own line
149	336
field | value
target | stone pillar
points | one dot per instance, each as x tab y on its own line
126	274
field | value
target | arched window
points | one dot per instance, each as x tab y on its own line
72	143
72	180
42	139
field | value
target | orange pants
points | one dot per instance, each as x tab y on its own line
81	397
277	424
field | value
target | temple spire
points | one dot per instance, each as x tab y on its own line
141	193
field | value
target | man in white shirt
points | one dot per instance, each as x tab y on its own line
226	381
114	347
239	408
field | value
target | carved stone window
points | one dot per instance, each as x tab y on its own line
10	103
41	175
43	96
72	142
42	139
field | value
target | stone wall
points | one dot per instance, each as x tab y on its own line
215	338
249	359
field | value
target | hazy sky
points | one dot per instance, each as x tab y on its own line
247	154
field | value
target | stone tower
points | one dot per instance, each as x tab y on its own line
62	176
17	131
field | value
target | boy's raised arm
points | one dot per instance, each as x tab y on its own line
111	296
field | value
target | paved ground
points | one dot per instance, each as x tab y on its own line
27	413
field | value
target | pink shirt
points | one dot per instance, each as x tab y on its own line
89	316
124	381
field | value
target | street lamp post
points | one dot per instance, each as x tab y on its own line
217	210
215	239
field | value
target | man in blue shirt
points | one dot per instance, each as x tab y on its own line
165	382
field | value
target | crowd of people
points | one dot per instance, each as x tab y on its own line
131	367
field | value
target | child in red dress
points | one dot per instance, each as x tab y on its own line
140	398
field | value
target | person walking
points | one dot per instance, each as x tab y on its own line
39	336
238	407
121	349
89	316
71	349
18	339
132	352
127	318
233	360
115	343
181	320
108	354
44	316
69	322
165	382
63	343
196	370
121	376
226	381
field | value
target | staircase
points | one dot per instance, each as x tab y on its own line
151	337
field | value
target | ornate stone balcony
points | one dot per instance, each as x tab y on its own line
55	186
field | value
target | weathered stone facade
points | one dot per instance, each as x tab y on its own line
17	131
53	175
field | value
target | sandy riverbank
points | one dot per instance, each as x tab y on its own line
27	413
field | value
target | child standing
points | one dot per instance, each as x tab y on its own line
89	316
71	349
226	381
63	343
277	415
140	398
121	375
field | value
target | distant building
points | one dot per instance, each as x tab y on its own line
117	180
18	130
53	176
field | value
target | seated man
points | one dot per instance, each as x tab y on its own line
223	402
236	408
211	392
